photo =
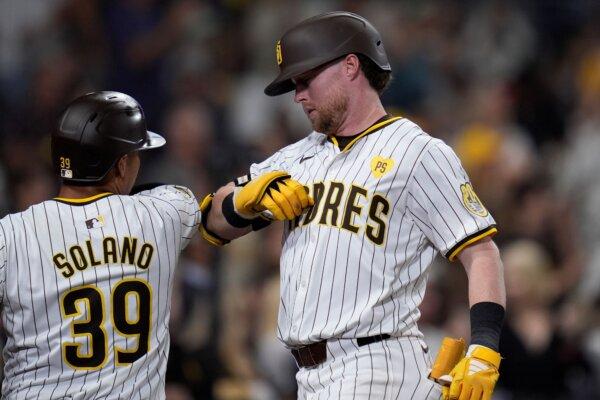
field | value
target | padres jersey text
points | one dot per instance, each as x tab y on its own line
356	264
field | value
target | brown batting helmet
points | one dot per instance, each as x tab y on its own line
323	38
94	131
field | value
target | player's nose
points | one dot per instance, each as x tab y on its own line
300	94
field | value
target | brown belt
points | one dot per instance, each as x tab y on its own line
316	353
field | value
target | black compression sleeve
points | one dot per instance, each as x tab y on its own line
486	323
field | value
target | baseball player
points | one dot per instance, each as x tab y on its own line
86	278
387	199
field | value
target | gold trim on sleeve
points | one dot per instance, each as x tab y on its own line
488	232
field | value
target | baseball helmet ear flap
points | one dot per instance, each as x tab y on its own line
321	39
94	131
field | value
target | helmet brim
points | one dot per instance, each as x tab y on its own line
154	140
283	82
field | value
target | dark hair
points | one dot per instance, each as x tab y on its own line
378	78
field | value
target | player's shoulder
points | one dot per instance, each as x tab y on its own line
430	149
300	146
410	127
13	224
13	217
285	157
416	131
164	193
418	145
439	146
176	201
406	135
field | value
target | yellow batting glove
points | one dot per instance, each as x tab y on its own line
287	200
475	376
246	199
273	195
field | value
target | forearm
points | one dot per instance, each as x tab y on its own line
485	272
216	220
233	211
487	295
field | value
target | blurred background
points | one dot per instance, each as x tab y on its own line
513	87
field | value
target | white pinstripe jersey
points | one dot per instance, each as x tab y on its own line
356	265
85	288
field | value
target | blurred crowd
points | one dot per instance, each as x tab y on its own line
512	86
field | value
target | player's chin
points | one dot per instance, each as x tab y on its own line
315	121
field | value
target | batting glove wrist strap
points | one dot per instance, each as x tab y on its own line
485	354
206	233
231	216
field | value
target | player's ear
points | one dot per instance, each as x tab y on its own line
121	166
351	65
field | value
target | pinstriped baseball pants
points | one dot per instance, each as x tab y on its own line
392	369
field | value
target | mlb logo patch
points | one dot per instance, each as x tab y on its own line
96	222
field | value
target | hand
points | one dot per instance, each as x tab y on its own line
474	377
273	195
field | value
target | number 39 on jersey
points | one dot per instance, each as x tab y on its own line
127	310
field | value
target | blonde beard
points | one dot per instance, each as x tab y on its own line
330	116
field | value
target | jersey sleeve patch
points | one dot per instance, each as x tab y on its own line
471	201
